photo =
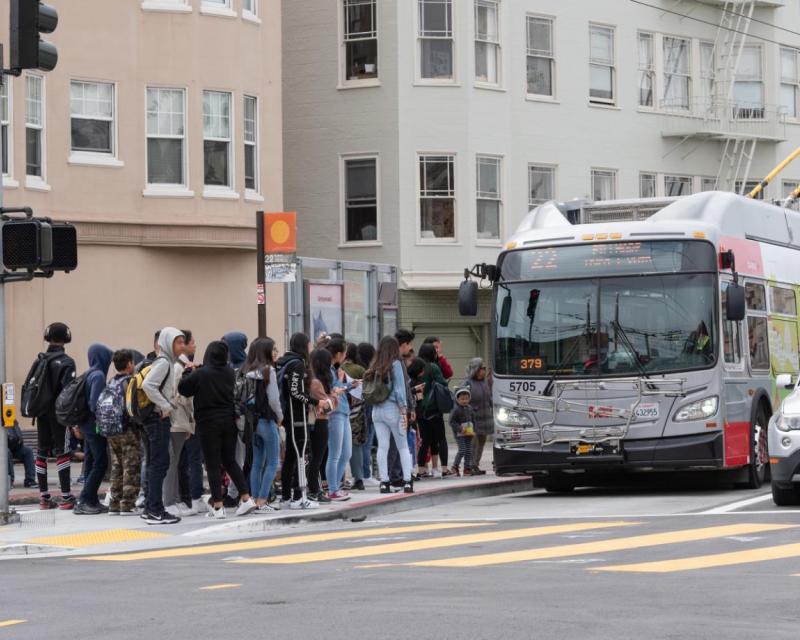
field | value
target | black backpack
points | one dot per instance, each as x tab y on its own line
38	394
72	406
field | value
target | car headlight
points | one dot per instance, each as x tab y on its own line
787	423
509	418
699	410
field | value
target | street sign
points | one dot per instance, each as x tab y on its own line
280	232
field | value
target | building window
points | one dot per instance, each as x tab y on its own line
166	133
250	7
748	88
647	70
489	199
789	82
437	198
487	41
217	139
251	143
604	184
647	185
360	40
436	39
541	56
601	64
92	121
677	74
361	199
677	186
34	125
787	188
708	76
5	120
743	188
541	184
708	184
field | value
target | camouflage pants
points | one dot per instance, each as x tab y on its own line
126	455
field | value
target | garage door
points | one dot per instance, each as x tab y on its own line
460	344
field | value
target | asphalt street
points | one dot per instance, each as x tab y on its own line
650	559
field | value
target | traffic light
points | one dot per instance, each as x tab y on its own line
29	18
65	248
27	243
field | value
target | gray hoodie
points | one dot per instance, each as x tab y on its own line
182	417
273	394
161	372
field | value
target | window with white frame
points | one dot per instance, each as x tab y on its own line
787	188
677	74
748	87
360	40
34	125
708	184
604	184
436	40
489	197
677	185
647	185
92	119
487	41
360	199
437	197
541	184
647	70
250	7
5	121
789	82
223	4
251	182
540	56
708	76
166	136
217	139
743	188
601	64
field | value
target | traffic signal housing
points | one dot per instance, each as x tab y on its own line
26	243
29	18
65	248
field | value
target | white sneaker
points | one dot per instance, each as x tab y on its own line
246	507
173	510
265	508
276	504
437	473
186	512
107	500
217	514
303	503
371	482
200	506
140	502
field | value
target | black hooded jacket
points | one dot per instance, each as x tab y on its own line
211	386
294	387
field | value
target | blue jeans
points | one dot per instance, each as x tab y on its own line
266	457
340	448
25	455
158	439
97	445
366	448
193	450
387	426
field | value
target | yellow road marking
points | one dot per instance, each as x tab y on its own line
430	543
92	538
269	543
11	623
709	561
217	587
602	546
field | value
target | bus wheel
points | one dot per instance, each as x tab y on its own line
785	497
759	455
558	483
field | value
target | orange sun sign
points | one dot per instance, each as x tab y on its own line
280	232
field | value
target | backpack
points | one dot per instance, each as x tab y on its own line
375	389
110	412
250	396
38	395
72	405
138	406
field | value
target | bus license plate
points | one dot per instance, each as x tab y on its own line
609	447
647	411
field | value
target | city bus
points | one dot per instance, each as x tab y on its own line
645	337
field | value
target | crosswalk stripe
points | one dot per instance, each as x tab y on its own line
707	562
225	547
602	546
430	543
93	538
11	623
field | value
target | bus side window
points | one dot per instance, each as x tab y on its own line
731	338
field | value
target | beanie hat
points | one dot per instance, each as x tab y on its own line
463	390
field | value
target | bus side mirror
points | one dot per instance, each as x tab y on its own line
734	303
784	381
468	298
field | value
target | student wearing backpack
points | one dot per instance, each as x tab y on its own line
212	388
53	438
99	362
430	419
159	387
263	408
123	439
237	354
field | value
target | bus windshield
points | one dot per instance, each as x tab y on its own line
599	327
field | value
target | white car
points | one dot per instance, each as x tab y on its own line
784	445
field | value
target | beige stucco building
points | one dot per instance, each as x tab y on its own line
159	136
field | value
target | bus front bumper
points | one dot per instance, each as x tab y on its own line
698	451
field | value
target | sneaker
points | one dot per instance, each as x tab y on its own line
113	511
107	500
467	471
437	473
129	512
164	517
186	512
200	506
140	502
455	471
46	502
82	509
304	503
265	508
216	514
230	502
67	504
448	472
173	510
276	504
339	496
321	497
478	472
29	483
347	485
372	482
80	480
386	487
408	487
248	506
358	485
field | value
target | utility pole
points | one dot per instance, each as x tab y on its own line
5	515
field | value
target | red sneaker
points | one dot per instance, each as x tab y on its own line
47	503
339	496
67	504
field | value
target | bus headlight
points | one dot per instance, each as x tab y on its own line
787	423
700	410
509	418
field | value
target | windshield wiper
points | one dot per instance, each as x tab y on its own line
586	334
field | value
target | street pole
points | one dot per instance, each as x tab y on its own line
260	276
5	515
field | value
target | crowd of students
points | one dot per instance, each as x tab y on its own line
245	416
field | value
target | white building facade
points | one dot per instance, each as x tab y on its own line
420	132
